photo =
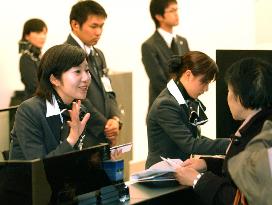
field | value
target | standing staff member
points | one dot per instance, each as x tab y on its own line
87	19
157	50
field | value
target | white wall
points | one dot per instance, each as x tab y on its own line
208	25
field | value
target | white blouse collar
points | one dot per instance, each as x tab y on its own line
174	90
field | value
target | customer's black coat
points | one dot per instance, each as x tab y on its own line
216	186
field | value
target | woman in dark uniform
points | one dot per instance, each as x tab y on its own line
53	121
175	116
33	39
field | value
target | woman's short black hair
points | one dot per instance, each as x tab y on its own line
199	63
33	25
56	60
250	80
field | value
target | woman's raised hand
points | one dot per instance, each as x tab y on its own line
76	126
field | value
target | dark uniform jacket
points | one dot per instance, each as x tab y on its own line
104	103
170	134
216	186
36	135
29	63
155	57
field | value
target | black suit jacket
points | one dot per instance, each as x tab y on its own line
104	103
155	57
216	185
34	135
170	134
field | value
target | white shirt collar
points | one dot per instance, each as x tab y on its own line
167	36
270	159
174	90
52	109
86	48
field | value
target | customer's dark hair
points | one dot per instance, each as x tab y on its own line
33	25
81	10
199	63
250	79
157	7
56	60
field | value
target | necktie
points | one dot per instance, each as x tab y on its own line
93	62
174	47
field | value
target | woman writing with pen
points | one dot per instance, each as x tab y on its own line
174	119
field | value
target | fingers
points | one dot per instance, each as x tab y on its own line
74	113
112	134
111	124
187	162
116	154
85	119
76	126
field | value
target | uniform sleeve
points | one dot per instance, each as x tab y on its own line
173	121
96	120
153	67
28	69
31	135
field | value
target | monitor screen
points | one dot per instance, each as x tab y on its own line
66	176
76	173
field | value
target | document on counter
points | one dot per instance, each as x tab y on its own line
160	171
122	148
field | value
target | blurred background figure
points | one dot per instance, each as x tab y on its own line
30	45
164	42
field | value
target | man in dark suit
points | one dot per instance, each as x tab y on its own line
87	20
157	50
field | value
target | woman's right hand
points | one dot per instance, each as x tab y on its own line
197	164
76	126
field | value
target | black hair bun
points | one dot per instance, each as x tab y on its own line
175	64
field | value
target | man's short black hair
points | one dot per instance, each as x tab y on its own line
157	7
81	10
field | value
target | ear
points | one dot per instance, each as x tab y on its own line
74	25
159	17
188	74
54	81
27	37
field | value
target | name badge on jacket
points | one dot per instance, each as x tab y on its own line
106	83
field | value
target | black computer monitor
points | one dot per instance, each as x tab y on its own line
19	179
57	179
77	173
